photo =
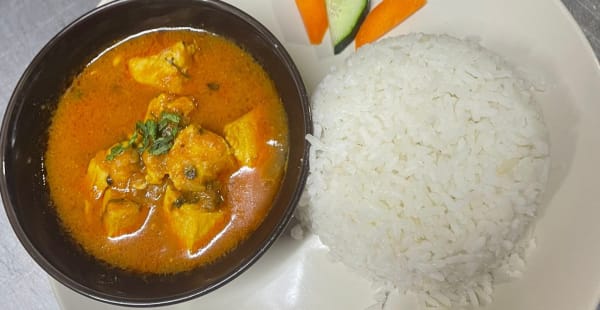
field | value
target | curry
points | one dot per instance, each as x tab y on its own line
166	151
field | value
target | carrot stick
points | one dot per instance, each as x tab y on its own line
314	17
384	17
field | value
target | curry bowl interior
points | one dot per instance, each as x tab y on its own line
24	138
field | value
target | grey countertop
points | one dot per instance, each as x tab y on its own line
25	26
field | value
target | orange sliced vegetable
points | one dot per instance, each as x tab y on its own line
314	17
384	17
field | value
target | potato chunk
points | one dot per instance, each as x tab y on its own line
191	219
243	136
198	156
122	216
166	70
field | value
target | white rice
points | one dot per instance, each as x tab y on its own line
427	165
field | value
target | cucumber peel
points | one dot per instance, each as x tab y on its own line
345	18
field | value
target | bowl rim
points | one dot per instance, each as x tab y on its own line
9	121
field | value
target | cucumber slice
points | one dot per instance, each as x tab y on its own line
345	17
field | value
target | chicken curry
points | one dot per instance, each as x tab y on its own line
166	151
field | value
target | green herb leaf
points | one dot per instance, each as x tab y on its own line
157	138
161	148
132	139
174	131
161	140
115	151
141	129
172	117
151	129
162	125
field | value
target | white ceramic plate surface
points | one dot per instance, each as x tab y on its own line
541	39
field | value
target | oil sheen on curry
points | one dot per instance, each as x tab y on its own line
167	151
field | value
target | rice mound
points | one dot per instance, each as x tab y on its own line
427	165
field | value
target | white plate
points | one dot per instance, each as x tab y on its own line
540	38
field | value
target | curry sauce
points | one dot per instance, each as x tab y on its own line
166	151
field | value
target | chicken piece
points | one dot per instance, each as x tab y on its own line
92	211
166	70
183	106
197	157
97	176
156	169
192	218
209	199
122	216
243	136
123	171
165	103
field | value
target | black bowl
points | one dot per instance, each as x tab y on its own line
24	140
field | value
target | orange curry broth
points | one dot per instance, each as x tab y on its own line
101	107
